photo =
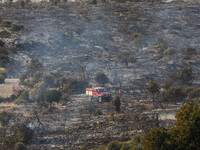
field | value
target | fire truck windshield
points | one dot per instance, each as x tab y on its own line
101	90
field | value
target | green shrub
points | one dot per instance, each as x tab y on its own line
153	88
185	75
175	26
138	38
20	101
16	28
101	78
2	44
189	51
4	34
5	118
52	96
20	146
2	77
126	57
114	145
194	94
8	142
22	77
174	94
24	134
35	65
72	85
6	23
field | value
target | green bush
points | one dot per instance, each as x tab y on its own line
24	134
6	23
114	145
16	28
20	101
5	118
20	146
2	44
194	93
4	34
185	75
175	26
35	65
189	51
3	57
52	96
126	57
72	85
101	78
174	94
153	88
22	77
2	77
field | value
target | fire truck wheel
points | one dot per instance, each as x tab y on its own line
100	100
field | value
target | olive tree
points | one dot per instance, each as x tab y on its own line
101	78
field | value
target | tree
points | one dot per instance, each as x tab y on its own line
38	92
126	57
101	78
52	96
5	118
185	135
174	94
187	130
153	88
189	51
35	65
157	139
185	75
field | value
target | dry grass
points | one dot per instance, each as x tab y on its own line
9	87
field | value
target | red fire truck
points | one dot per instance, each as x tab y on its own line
99	93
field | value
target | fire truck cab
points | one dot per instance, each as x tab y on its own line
99	93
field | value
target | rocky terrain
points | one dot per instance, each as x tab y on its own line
75	38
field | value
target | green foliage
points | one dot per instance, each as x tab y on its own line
157	139
38	92
185	135
153	88
188	125
16	28
126	57
114	145
189	51
194	93
52	96
2	44
175	26
22	77
174	94
72	85
4	34
2	77
24	134
5	118
137	142
138	38
185	75
20	146
3	57
35	65
23	98
6	23
166	85
126	146
101	78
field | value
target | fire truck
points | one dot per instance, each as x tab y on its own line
99	93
